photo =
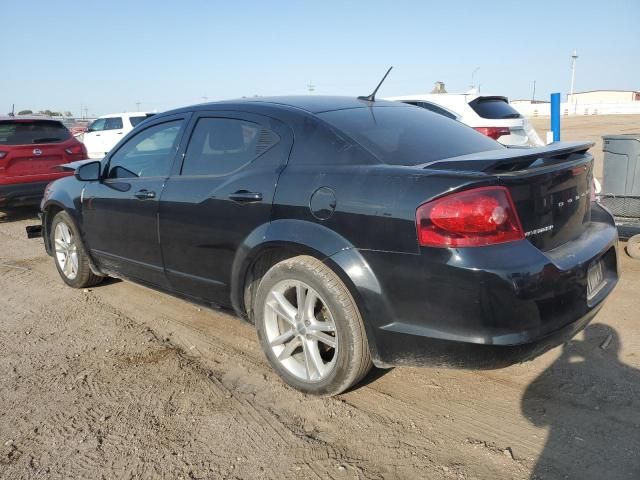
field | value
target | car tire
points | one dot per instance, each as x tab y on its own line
633	247
322	348
69	254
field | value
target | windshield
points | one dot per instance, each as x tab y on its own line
28	132
408	135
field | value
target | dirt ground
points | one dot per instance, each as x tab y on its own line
590	128
120	381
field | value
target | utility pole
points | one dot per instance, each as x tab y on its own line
473	75
138	106
533	94
311	88
574	57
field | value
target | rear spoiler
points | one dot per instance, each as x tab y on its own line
509	159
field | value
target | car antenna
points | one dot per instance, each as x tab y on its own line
372	97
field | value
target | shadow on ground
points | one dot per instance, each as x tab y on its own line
590	403
18	214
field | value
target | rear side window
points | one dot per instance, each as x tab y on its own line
114	123
28	132
408	136
436	109
493	108
433	108
220	146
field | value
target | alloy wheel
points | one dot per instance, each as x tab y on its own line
66	250
300	330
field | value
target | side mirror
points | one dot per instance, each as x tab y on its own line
88	172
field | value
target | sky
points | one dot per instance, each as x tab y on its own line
112	56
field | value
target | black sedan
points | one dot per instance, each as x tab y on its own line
351	232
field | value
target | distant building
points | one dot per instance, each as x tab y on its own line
604	96
438	87
527	102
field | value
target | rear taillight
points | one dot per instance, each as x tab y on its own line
482	216
78	149
493	132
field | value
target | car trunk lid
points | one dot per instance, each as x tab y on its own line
35	159
550	187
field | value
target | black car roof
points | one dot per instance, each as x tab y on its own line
309	103
322	103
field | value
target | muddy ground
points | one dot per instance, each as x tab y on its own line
120	381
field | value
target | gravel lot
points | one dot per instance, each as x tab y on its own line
120	381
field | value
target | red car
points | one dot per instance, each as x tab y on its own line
30	150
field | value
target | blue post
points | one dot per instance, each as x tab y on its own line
555	116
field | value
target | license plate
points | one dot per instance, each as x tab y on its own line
595	279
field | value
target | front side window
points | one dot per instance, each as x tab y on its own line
114	123
97	125
219	146
147	154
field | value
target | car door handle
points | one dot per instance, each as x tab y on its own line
244	196
144	194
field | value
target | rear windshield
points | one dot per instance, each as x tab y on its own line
493	108
407	135
27	132
136	120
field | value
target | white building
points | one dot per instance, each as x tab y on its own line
604	96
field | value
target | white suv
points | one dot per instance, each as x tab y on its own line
490	115
103	134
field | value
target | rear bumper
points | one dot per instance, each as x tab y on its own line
19	194
485	307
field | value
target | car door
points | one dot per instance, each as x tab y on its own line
120	212
92	138
221	192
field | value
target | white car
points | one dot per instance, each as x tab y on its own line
490	115
103	134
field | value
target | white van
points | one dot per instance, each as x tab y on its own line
103	134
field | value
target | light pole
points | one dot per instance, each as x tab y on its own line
473	75
311	88
533	94
574	57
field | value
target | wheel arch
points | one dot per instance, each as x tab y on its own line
49	210
282	239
